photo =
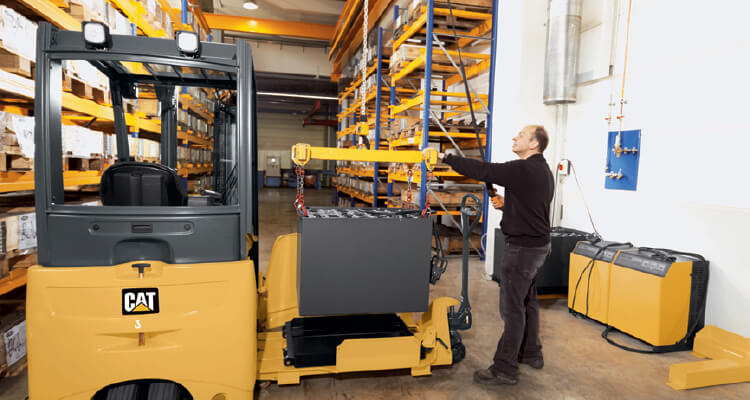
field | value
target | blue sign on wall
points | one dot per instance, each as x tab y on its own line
622	171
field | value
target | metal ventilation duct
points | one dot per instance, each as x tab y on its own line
561	57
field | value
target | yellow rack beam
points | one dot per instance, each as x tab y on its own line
355	193
420	61
417	176
417	101
14	181
16	279
421	21
471	71
53	14
416	140
136	13
341	27
23	87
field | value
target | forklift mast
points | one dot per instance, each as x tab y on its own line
123	230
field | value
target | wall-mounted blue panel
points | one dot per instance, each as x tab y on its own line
626	164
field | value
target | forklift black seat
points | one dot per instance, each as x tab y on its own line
133	183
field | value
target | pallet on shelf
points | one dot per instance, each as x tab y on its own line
15	63
464	5
83	90
452	240
447	198
15	260
460	127
83	10
15	161
12	344
93	163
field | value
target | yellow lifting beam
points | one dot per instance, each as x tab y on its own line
729	362
303	153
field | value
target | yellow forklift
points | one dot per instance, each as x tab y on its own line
154	294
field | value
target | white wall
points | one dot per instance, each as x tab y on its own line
686	89
287	59
277	133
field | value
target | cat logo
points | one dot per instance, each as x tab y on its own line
140	301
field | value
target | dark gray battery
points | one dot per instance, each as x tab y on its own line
363	261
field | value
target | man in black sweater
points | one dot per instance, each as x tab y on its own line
529	187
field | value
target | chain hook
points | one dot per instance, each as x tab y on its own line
299	202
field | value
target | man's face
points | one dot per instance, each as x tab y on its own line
524	141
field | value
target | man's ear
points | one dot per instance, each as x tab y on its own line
533	144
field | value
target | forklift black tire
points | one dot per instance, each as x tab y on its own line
459	352
123	392
164	391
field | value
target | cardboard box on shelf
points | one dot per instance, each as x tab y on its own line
12	343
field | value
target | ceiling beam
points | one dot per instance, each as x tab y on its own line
269	27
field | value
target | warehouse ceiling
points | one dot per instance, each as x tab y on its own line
268	82
311	11
315	11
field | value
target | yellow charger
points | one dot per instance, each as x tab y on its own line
589	278
658	296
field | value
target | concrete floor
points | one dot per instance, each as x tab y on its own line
579	364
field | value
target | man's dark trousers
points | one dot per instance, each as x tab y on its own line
519	307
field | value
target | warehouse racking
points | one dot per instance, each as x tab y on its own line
414	64
87	110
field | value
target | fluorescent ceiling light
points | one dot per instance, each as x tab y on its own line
299	96
250	5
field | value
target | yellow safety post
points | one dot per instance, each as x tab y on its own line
729	362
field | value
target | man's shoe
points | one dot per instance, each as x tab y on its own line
536	363
488	377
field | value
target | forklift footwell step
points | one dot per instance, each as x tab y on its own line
312	342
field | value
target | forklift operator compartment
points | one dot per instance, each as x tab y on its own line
145	212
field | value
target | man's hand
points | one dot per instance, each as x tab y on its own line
497	201
440	157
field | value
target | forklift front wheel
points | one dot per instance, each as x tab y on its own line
459	352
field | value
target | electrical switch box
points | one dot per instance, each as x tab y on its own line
623	160
563	168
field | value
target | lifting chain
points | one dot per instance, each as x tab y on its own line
365	55
299	203
427	211
409	179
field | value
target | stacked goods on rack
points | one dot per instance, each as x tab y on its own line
197	185
17	239
17	48
85	81
17	138
118	23
195	114
18	245
449	127
83	148
452	240
144	150
12	344
88	10
151	108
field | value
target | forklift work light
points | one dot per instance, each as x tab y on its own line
188	43
96	35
